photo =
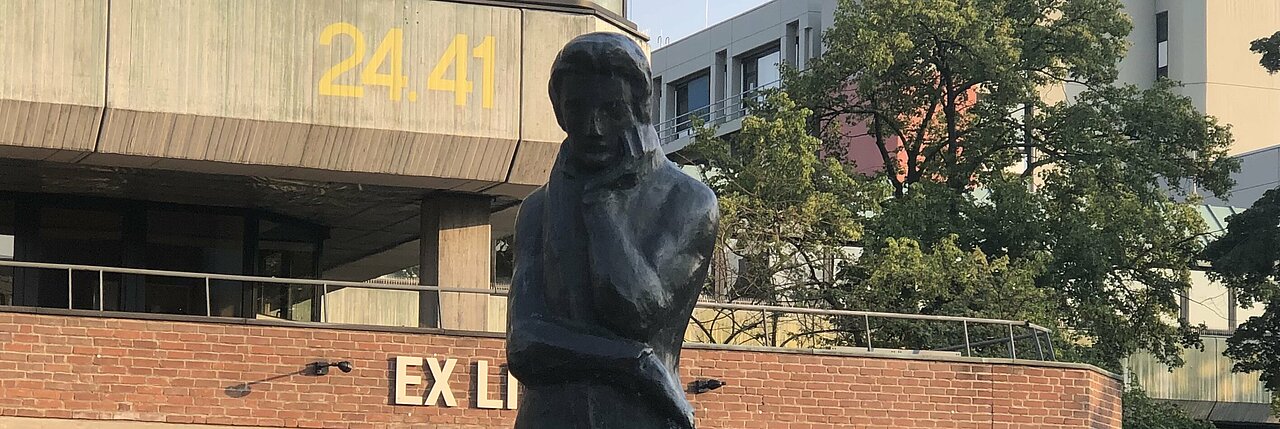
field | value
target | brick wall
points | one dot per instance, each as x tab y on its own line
74	367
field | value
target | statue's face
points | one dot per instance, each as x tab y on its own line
597	115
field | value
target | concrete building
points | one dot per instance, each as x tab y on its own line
709	73
1202	43
337	139
193	195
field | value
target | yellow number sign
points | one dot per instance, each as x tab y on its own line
389	55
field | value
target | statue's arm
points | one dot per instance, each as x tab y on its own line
544	350
649	277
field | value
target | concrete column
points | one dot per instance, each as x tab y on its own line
719	85
791	45
456	252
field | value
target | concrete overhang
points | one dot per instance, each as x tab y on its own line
374	92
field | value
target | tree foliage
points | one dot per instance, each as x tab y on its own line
784	210
1245	260
995	200
1076	196
1269	48
1142	412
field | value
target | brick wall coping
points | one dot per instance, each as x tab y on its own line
500	335
885	355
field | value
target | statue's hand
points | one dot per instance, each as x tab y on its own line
666	390
607	186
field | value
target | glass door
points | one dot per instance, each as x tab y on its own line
288	250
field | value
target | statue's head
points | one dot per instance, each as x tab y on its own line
600	90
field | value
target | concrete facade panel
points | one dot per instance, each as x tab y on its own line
167	136
397	92
1232	25
1241	92
1139	65
324	63
1251	112
1187	40
61	127
53	51
1206	376
545	33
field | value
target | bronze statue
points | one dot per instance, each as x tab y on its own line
611	255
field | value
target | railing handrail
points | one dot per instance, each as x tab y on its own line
856	313
238	278
733	100
494	292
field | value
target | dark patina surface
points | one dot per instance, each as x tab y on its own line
611	256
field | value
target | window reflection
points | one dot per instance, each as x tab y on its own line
693	98
193	242
80	236
7	251
291	251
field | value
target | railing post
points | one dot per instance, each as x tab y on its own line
324	303
102	291
866	321
69	304
1013	348
968	351
1049	339
1039	349
208	307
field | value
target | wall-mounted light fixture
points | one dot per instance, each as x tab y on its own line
705	385
322	367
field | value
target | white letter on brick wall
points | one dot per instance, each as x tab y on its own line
440	382
513	391
482	387
404	380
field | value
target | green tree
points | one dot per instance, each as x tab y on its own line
1245	260
1142	412
784	210
1269	48
1083	205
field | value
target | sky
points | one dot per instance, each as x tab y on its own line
670	20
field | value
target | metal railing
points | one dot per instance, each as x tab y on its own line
717	113
1041	336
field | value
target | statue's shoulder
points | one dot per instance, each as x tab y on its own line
531	208
694	195
535	198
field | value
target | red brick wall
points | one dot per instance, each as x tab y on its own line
100	368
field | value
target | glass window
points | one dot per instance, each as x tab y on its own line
194	242
288	250
693	98
81	236
504	261
7	251
1208	303
1162	44
761	69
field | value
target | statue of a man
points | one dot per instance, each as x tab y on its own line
611	256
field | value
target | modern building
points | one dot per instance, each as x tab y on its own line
1204	44
194	197
709	73
337	139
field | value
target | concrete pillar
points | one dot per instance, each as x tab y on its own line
719	85
791	45
456	252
